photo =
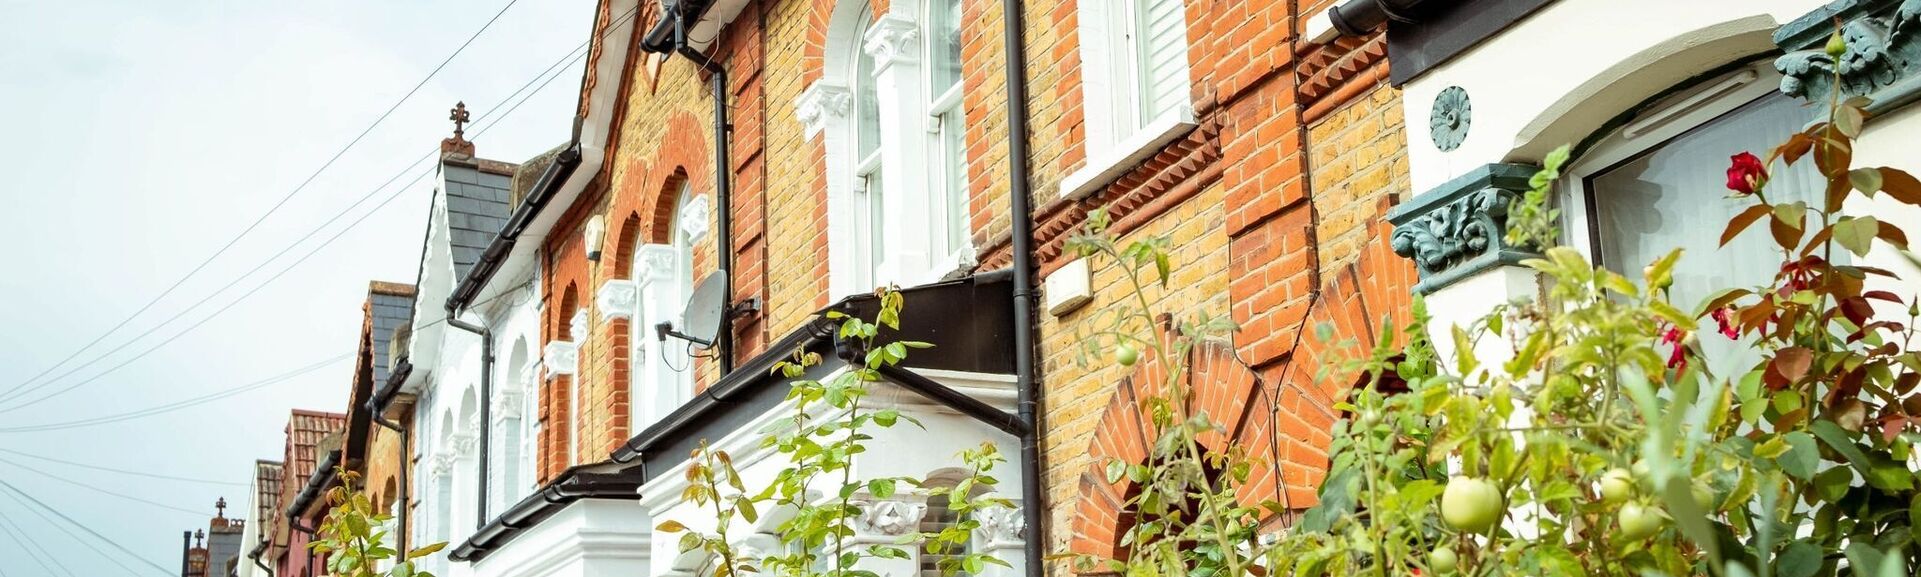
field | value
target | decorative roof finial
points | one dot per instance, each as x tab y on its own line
198	535
221	506
458	144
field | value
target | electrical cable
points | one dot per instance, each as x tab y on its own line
123	471
572	56
100	490
70	534
43	506
24	539
177	405
270	211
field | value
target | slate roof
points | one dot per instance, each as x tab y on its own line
477	209
391	305
266	486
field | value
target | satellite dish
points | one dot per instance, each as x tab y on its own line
703	317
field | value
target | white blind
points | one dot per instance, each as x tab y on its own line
1163	56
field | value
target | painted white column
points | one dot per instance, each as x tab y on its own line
894	42
1002	534
656	385
503	471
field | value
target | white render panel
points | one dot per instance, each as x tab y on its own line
589	538
1558	74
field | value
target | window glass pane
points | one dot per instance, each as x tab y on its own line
1675	196
943	46
876	227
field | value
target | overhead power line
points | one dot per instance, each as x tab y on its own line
103	538
123	471
100	490
537	83
177	405
276	206
32	546
69	533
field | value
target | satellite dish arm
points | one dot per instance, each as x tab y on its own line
666	329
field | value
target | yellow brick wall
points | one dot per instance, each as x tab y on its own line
1359	155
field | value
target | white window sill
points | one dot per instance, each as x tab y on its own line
1104	169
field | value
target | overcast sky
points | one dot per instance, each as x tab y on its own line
139	137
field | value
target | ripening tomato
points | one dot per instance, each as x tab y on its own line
1471	504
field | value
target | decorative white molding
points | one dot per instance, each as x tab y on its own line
465	441
1002	526
821	104
693	218
440	464
578	325
508	405
616	299
890	517
894	38
560	358
654	262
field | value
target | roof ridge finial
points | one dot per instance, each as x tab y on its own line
458	144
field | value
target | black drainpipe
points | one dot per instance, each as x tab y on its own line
1026	374
186	549
259	550
723	186
399	375
1358	17
486	401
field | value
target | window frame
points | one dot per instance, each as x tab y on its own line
1119	132
1670	119
662	296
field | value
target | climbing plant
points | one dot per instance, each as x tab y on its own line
354	539
828	429
1584	432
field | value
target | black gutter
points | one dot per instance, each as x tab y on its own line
1026	373
323	473
573	484
1358	17
377	408
261	549
723	186
966	404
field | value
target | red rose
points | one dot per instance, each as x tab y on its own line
1746	174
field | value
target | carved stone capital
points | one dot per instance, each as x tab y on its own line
508	404
653	262
821	104
694	216
578	325
440	464
1002	526
615	299
560	358
465	441
1881	61
888	517
893	38
1460	228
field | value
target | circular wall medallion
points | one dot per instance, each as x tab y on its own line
1450	119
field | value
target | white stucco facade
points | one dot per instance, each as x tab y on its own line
1598	72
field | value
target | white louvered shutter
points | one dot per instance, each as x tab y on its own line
1163	56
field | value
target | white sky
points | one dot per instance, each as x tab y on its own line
140	136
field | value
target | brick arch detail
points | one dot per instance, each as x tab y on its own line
820	15
1283	419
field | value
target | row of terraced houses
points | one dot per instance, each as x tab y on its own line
581	320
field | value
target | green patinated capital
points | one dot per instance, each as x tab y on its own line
1459	229
1882	58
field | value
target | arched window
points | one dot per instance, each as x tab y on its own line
510	428
1645	188
890	105
662	370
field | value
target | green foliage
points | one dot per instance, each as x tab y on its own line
353	536
820	441
1588	418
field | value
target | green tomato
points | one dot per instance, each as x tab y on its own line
1703	494
1617	485
1471	504
1126	354
1639	522
1442	560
